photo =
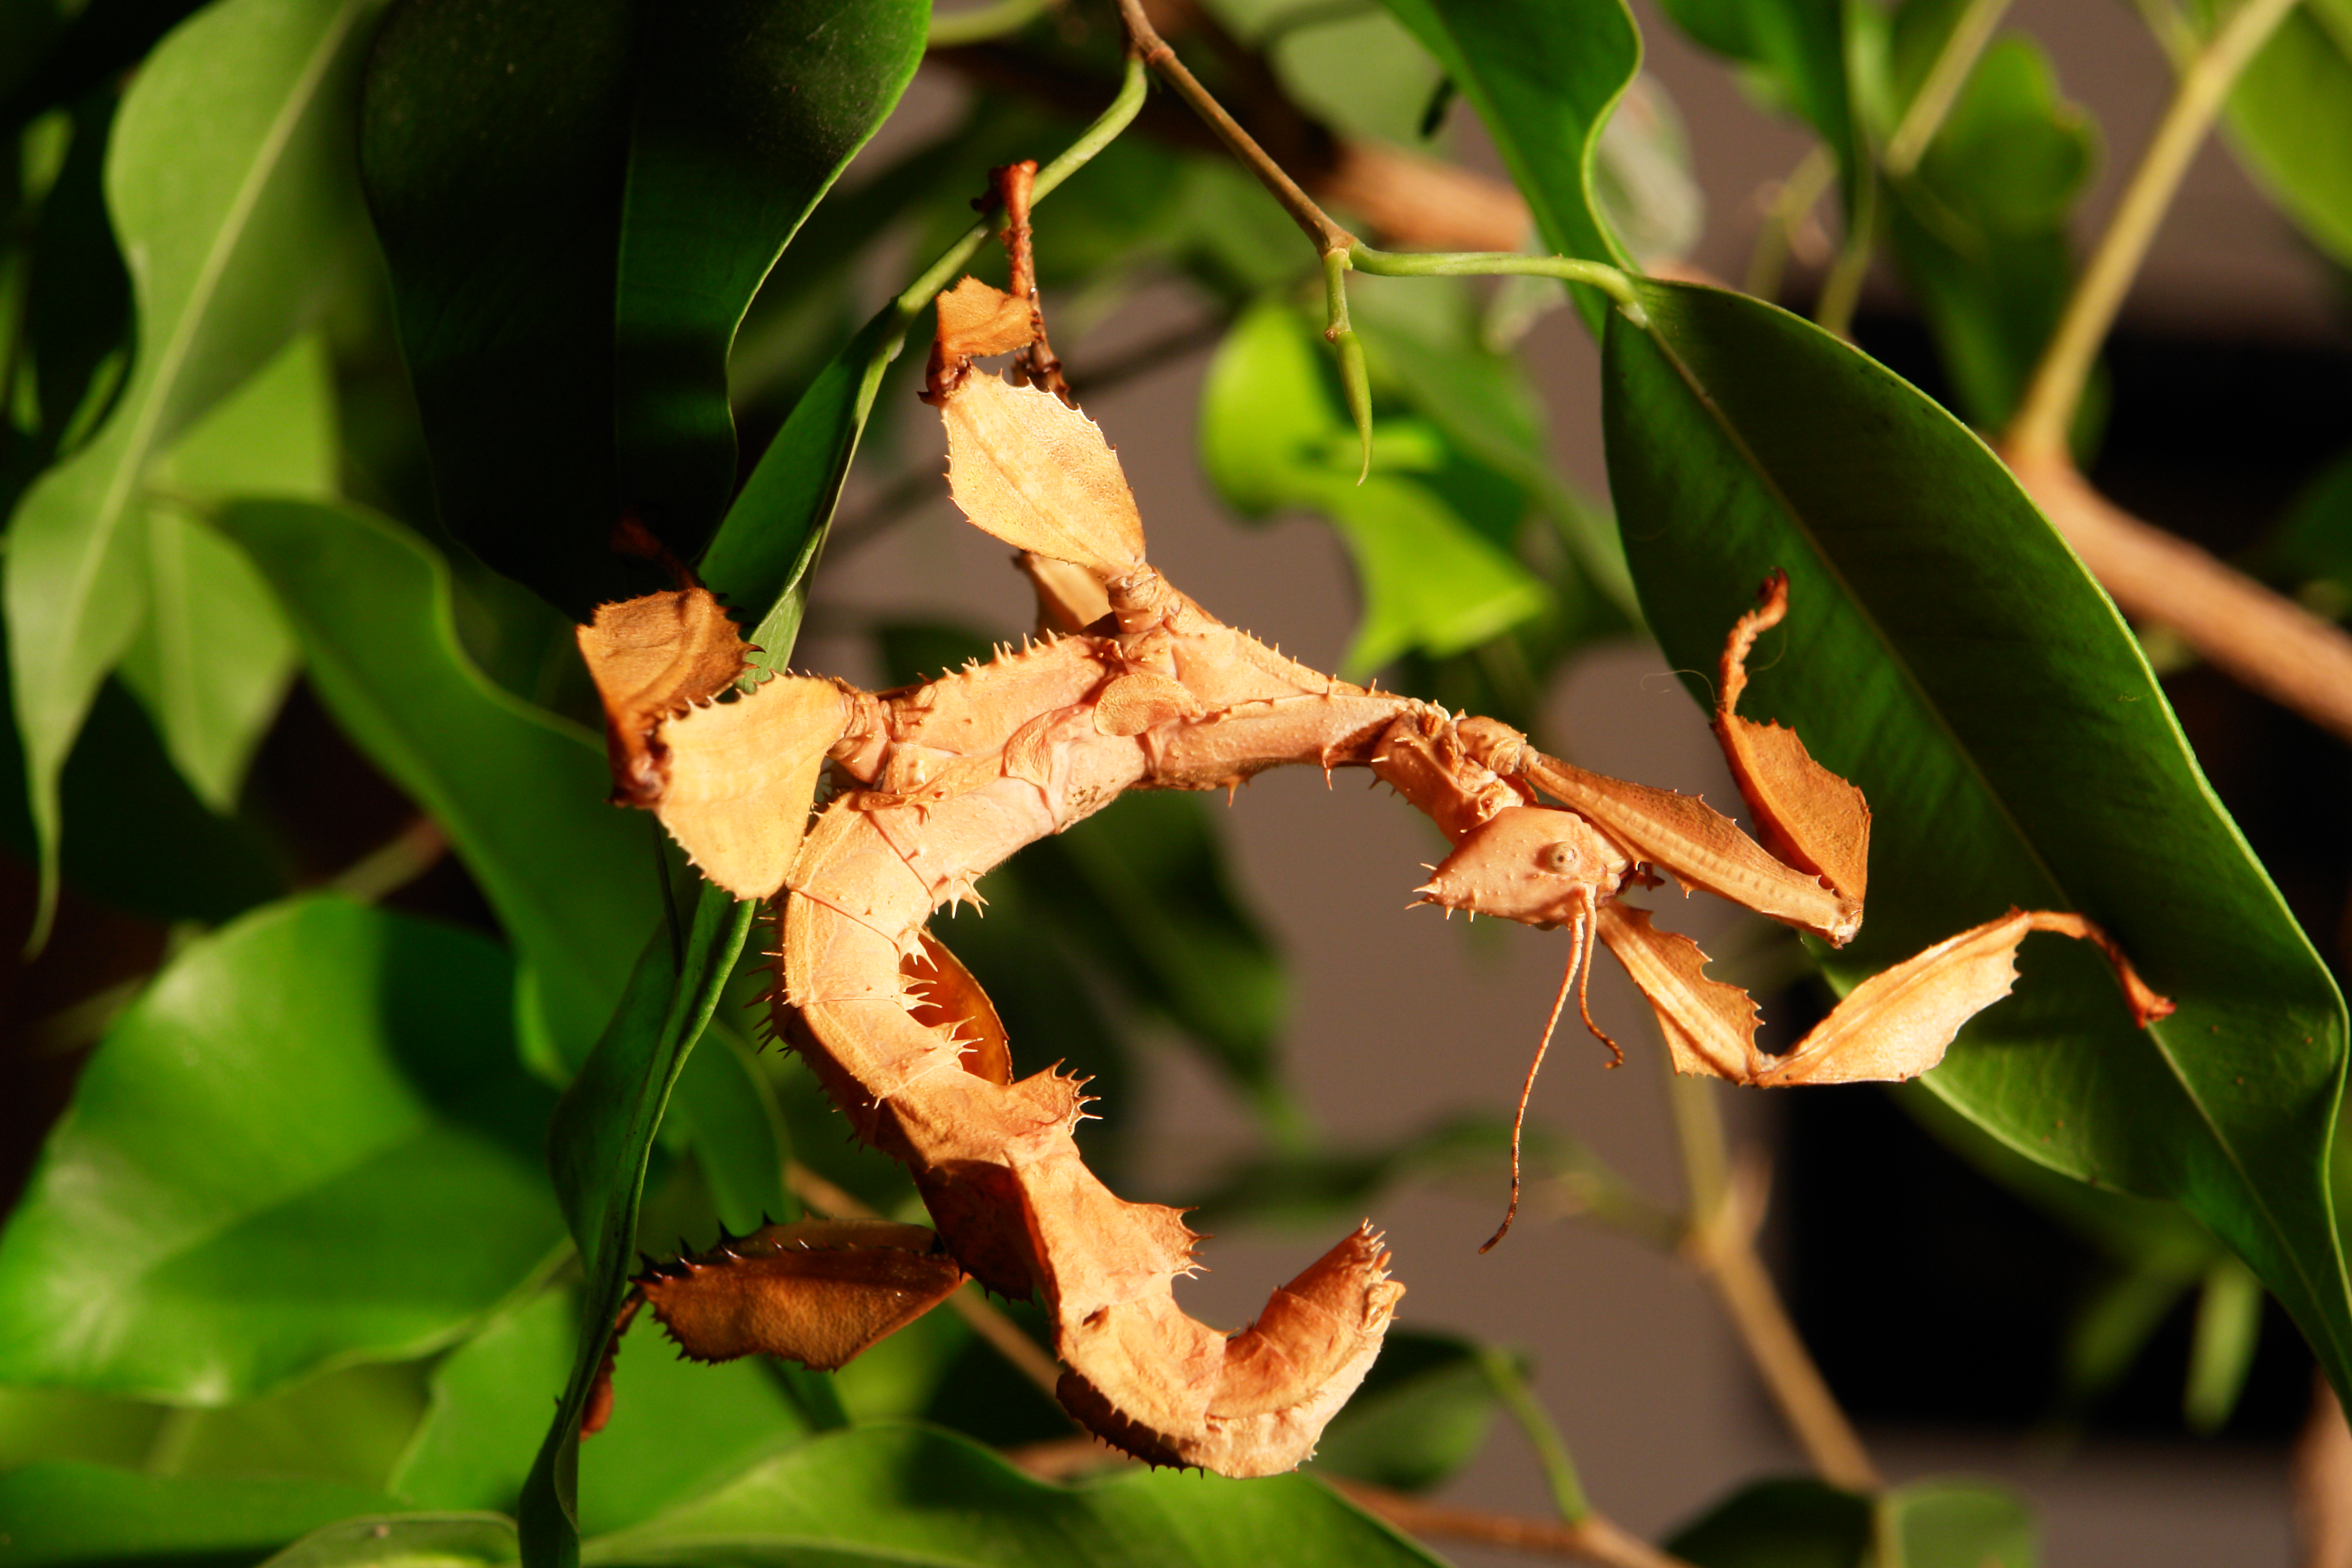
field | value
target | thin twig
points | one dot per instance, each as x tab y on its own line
986	1318
977	23
1155	53
2038	432
1594	1539
1536	1424
2260	638
393	863
1932	104
1721	1244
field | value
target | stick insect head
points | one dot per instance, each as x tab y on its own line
1536	864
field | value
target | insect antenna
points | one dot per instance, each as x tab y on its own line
1578	962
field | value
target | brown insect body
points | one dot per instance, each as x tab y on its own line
945	780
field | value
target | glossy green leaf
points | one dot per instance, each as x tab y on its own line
1422	1414
215	658
1945	652
520	792
226	181
1981	234
349	1426
746	112
1544	77
278	1143
900	1494
69	1516
599	1147
1429	530
608	183
678	1428
2289	116
406	1541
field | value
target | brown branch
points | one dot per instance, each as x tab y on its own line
2260	638
1592	1539
986	1319
1408	200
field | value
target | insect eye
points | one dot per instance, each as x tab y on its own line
1559	859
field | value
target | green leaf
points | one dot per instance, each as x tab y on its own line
1543	75
520	792
99	42
347	1426
215	658
1797	51
44	1425
163	854
1960	1524
746	110
2220	1354
406	1541
608	183
226	181
1430	543
270	1161
488	1407
1947	653
2290	118
900	1494
599	1147
1422	1414
1781	1524
78	302
61	1515
730	1118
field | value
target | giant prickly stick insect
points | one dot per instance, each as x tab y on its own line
1133	686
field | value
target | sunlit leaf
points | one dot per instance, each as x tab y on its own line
406	1541
1429	530
1944	652
214	661
227	183
892	1494
520	792
278	1142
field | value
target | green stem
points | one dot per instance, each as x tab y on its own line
1932	104
1552	1450
1611	281
1355	379
2039	431
978	23
1093	139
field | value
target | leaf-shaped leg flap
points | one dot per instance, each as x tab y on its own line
1805	814
741	776
654	657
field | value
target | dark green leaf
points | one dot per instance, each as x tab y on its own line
1781	1524
102	40
162	854
227	180
2291	118
1420	1417
406	1541
1314	1187
2311	542
492	142
61	1515
77	299
746	111
899	1494
1947	653
280	1143
1543	76
607	184
520	794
